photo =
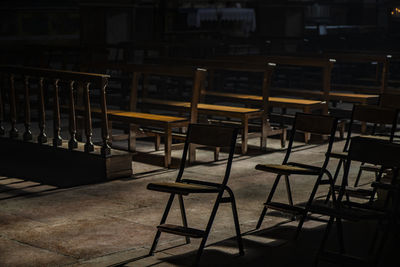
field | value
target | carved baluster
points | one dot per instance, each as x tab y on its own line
13	109
89	147
42	138
57	140
105	149
27	133
2	130
72	143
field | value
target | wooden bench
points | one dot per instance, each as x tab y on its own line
329	92
60	162
244	115
163	124
232	64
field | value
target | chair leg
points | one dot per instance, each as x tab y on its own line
288	190
208	228
289	193
335	176
340	235
163	219
271	194
309	202
358	176
324	239
183	214
236	220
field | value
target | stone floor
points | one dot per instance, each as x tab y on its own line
113	223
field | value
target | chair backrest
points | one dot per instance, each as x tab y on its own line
315	124
390	100
210	135
372	114
374	151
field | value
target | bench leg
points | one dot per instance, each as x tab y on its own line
192	153
132	138
306	135
283	137
216	153
167	146
245	134
157	142
110	131
264	129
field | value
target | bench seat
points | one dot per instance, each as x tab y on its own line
244	114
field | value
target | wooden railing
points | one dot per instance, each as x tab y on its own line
65	83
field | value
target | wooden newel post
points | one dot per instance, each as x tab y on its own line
72	143
105	149
42	138
2	130
89	147
13	110
57	140
27	133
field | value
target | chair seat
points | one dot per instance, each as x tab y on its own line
339	155
181	188
348	213
286	169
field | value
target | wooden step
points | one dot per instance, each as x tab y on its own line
180	230
285	208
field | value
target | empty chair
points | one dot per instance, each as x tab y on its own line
208	135
314	124
379	117
372	151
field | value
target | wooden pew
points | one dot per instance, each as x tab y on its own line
337	92
68	162
244	115
164	124
232	64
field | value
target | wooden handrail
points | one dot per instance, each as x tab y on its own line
52	77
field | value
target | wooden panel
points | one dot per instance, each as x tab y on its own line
317	124
374	114
211	135
375	151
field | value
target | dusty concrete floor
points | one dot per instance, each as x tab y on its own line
114	223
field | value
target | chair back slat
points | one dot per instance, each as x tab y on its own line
316	124
374	114
211	135
374	151
389	100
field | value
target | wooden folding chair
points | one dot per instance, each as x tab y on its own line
372	151
208	135
378	116
314	124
